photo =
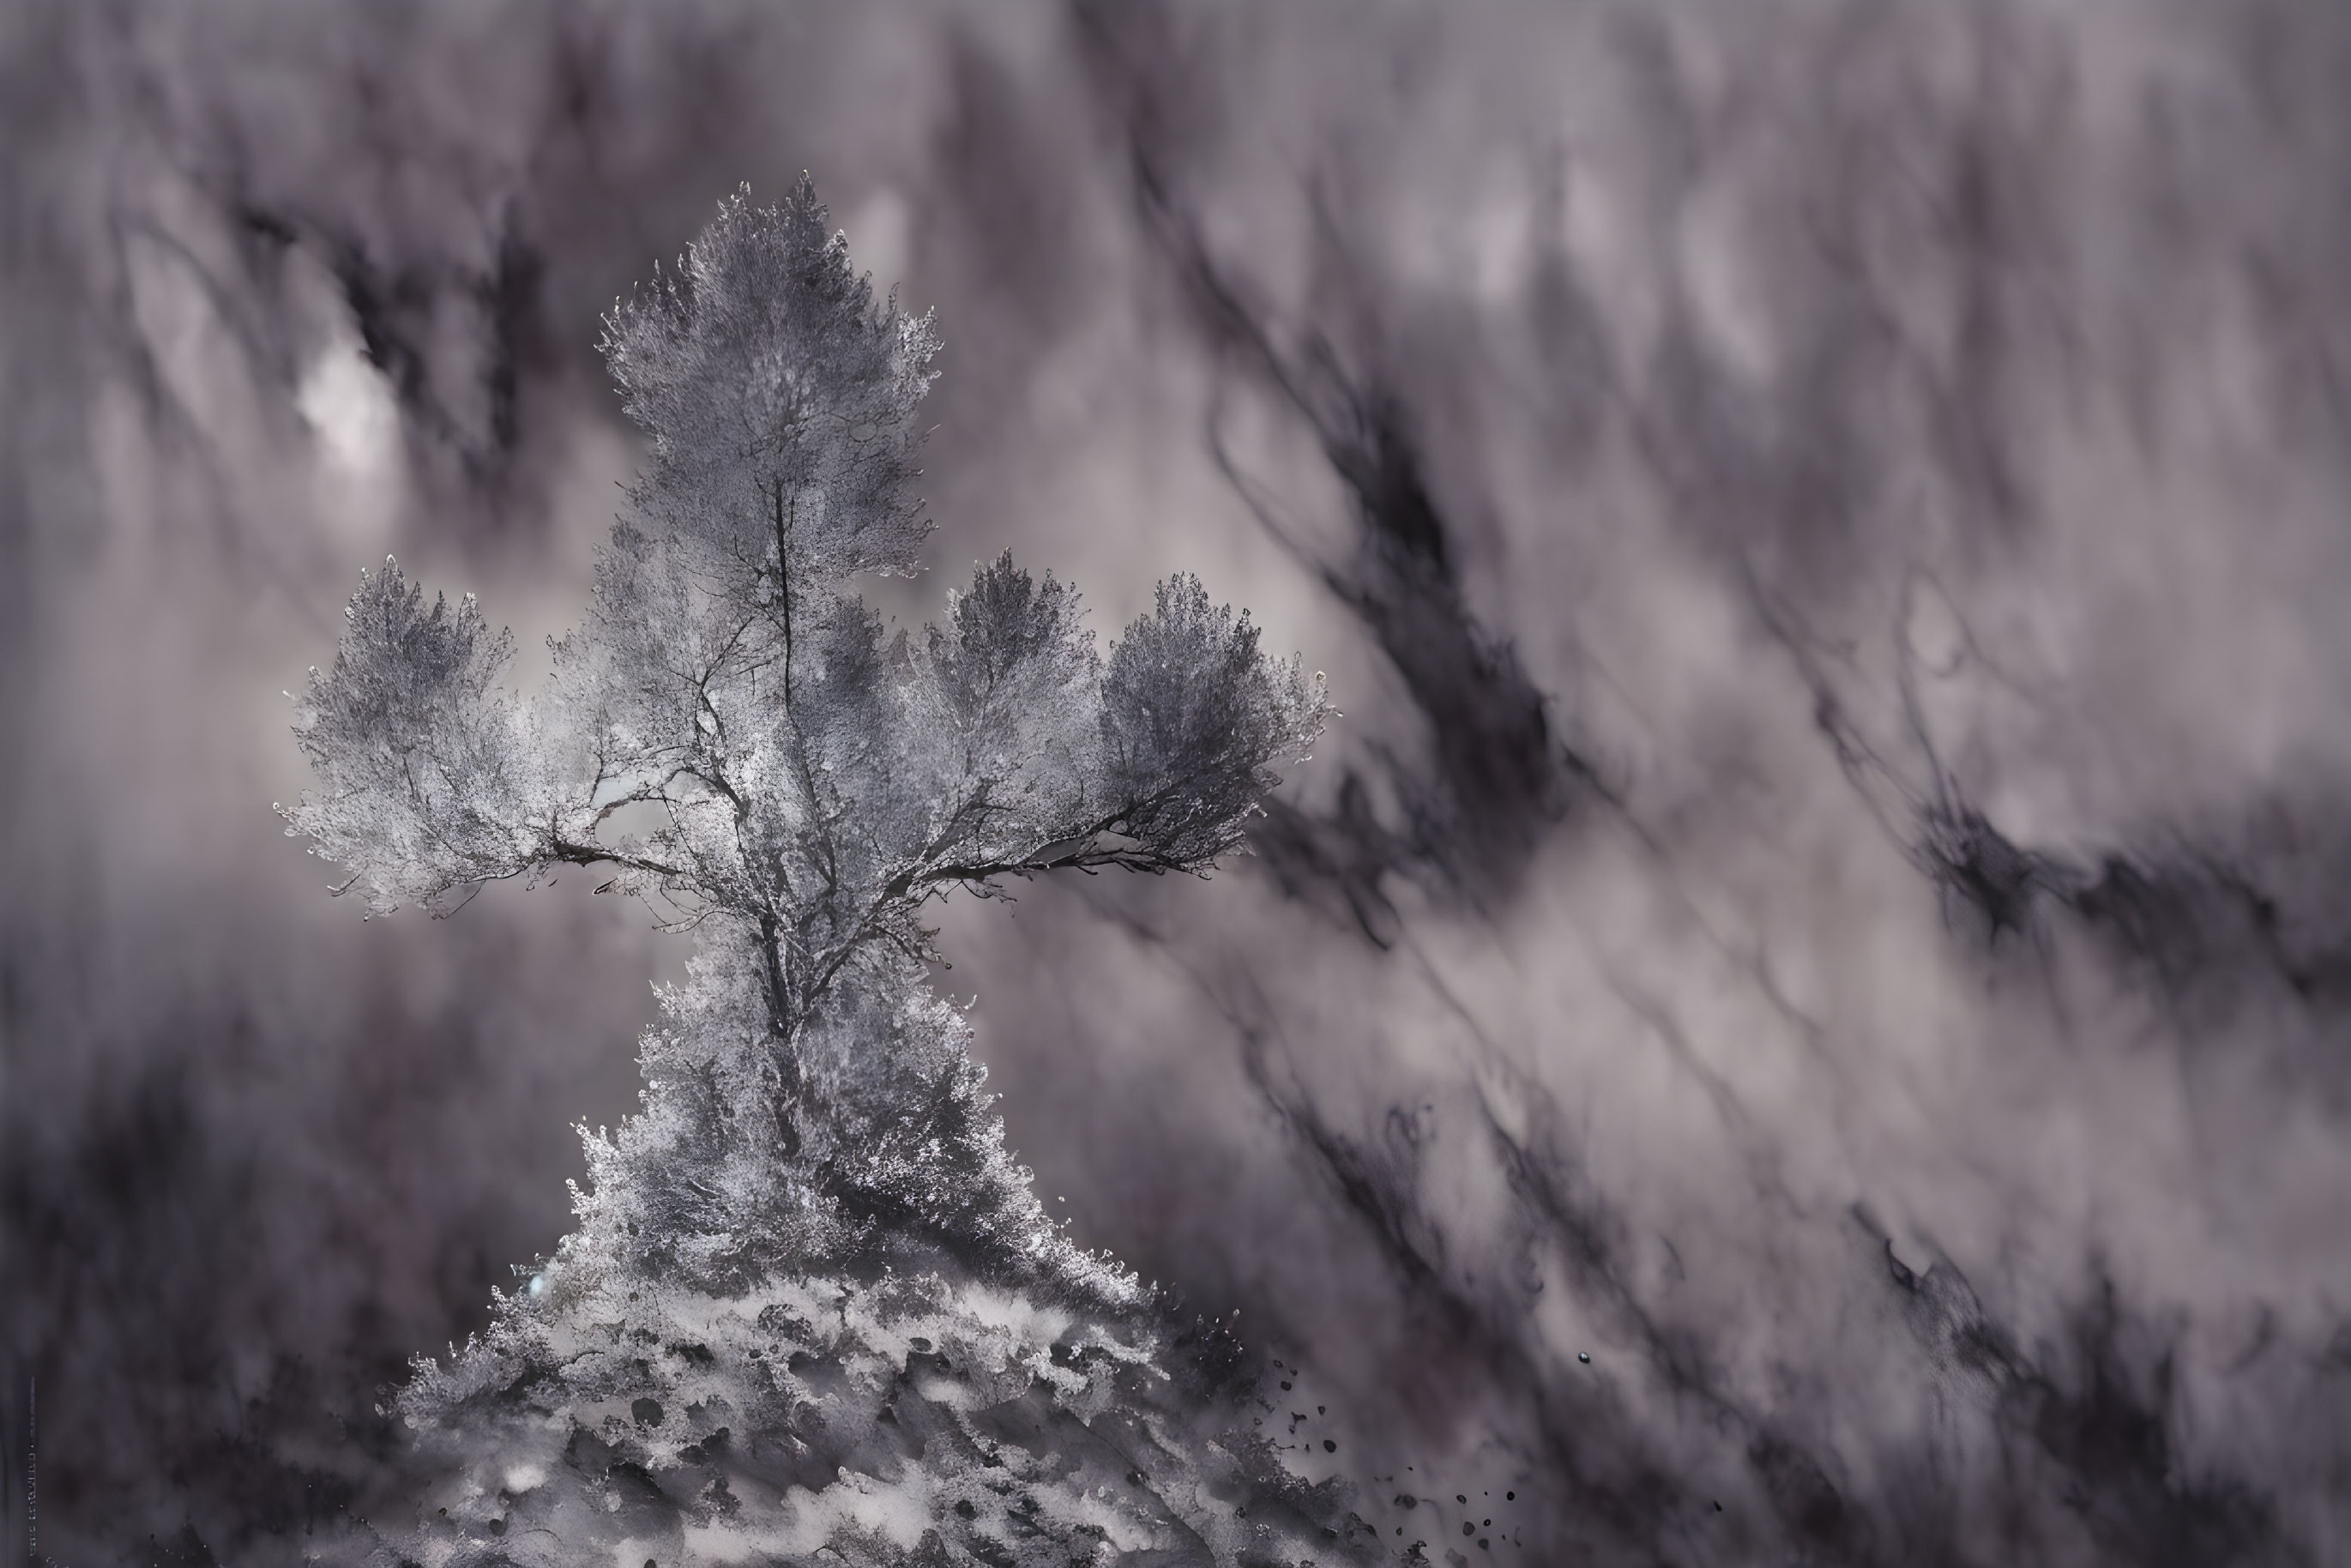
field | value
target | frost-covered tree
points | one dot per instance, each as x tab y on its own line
811	1310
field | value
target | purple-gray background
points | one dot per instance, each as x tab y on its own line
1828	527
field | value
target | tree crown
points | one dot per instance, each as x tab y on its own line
813	781
813	1217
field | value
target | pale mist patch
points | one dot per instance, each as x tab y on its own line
881	229
351	412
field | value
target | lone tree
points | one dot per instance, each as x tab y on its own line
813	1312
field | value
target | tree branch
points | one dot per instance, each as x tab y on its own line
573	853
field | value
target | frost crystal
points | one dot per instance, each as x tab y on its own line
813	1312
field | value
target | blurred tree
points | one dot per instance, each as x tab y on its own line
812	1311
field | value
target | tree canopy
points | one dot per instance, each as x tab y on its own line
812	1311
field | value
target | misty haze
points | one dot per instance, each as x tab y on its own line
1798	1011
